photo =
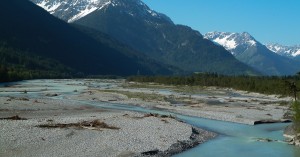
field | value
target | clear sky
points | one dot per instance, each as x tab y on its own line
269	21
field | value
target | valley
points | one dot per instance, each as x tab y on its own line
156	111
139	78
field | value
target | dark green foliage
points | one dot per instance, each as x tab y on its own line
17	65
4	77
31	30
155	66
296	115
266	85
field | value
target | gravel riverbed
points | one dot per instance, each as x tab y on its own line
59	102
135	134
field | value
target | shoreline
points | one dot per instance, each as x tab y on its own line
181	146
139	132
47	100
212	103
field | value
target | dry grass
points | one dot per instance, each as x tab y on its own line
93	125
16	117
21	99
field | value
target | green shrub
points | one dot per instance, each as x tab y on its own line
296	115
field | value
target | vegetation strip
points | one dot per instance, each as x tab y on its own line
97	124
260	84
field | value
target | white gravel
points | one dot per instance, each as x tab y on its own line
136	134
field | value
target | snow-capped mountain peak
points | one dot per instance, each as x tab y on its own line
73	10
232	41
288	51
222	38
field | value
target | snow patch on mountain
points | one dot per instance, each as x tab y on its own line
89	9
49	8
297	53
73	10
232	41
229	44
288	51
82	14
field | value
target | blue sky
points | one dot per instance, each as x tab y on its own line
269	21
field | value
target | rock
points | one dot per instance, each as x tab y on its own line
266	121
152	152
265	140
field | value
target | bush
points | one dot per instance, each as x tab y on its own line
296	115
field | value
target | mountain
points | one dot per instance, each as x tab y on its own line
287	51
29	31
235	43
154	34
248	50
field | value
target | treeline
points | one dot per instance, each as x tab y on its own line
260	84
17	74
18	65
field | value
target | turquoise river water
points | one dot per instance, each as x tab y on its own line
234	140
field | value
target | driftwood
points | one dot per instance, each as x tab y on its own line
92	125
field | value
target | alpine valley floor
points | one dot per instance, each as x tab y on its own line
62	117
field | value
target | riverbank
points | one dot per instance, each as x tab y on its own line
74	128
207	102
212	103
292	137
49	126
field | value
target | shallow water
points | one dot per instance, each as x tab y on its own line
238	140
234	140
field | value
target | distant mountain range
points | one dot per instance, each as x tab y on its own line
154	34
248	50
32	42
287	51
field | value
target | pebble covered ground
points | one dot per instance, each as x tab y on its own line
43	102
137	132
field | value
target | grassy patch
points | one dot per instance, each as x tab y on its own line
189	89
146	85
139	95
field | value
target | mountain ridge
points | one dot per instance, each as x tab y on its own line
287	51
133	23
31	30
248	50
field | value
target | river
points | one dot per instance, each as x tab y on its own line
234	140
